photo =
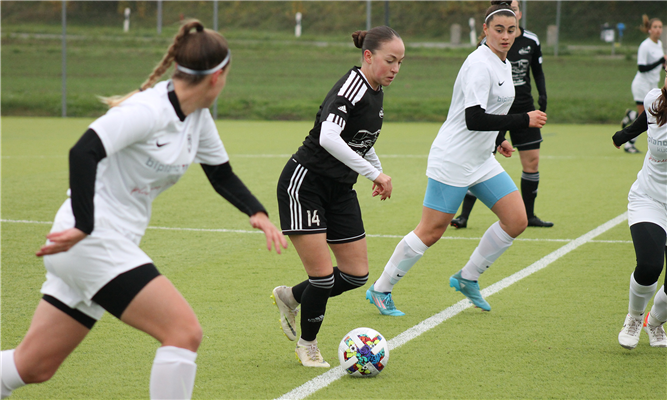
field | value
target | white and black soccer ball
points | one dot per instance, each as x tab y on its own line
363	352
629	118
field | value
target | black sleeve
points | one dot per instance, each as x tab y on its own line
632	131
229	186
540	83
646	68
83	160
478	120
500	138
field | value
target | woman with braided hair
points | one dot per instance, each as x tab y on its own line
138	149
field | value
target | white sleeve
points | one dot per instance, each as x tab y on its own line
331	141
373	158
476	85
124	125
211	151
642	54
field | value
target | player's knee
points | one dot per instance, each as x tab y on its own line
41	372
186	335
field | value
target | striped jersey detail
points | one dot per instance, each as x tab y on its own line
354	88
296	220
531	35
336	119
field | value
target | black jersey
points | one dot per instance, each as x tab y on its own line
526	54
353	105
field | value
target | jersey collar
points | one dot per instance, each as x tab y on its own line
173	99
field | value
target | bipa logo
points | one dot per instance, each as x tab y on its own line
381	112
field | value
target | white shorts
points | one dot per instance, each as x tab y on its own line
642	208
640	88
75	276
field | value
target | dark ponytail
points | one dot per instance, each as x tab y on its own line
374	38
659	108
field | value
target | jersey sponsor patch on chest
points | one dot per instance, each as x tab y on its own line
525	50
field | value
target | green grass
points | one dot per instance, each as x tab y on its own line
551	335
275	77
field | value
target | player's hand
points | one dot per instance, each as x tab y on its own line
542	102
506	149
382	186
61	241
273	235
537	119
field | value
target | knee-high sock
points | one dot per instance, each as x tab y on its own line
493	244
11	380
529	183
298	289
314	305
639	297
408	251
344	282
173	373
468	203
659	309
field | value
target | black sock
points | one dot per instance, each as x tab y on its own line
529	183
297	290
314	305
345	282
468	203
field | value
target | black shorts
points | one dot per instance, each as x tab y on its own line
526	138
310	203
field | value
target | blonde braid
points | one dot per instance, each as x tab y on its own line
162	66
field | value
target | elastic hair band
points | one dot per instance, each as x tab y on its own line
497	11
208	71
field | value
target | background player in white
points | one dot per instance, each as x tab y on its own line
525	56
318	206
650	57
138	149
647	217
461	158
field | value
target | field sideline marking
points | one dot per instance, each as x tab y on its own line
336	373
166	228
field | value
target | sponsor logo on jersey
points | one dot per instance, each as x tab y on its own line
363	141
381	112
504	99
161	144
343	108
501	83
166	168
525	50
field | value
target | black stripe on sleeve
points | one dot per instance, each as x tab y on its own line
229	186
83	160
478	120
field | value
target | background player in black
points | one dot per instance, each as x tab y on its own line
525	55
318	206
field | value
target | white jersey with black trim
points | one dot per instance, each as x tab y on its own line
148	149
648	53
652	178
459	156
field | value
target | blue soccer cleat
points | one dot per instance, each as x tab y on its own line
383	302
470	289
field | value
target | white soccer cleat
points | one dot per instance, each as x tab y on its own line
287	314
310	356
656	333
629	336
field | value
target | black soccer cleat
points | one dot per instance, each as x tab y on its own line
535	221
459	222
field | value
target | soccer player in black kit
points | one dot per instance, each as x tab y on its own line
318	206
525	55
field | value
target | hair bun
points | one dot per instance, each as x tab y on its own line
358	38
200	28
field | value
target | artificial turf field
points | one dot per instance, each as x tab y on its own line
552	334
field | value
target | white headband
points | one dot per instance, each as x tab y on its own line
497	11
208	71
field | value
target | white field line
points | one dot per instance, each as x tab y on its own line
336	373
285	156
167	228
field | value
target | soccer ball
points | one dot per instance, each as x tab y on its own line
363	352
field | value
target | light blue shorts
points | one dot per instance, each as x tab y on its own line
447	199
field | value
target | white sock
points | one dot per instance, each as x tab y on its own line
659	310
302	342
493	244
639	297
408	251
11	380
173	373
